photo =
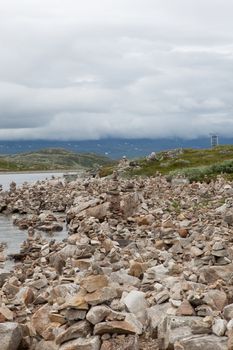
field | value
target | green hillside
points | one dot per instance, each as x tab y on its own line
51	159
195	164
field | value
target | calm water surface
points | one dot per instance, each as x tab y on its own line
20	178
13	237
10	234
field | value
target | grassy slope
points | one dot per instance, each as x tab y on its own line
51	159
196	164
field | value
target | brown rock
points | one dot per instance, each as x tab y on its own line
77	301
82	264
129	326
185	309
25	295
92	343
6	314
183	232
136	269
40	320
101	296
93	283
77	330
145	220
57	318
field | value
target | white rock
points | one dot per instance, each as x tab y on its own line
219	327
136	303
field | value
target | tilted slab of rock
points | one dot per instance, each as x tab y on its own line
100	211
78	330
6	314
207	342
129	326
25	295
156	314
40	320
122	277
210	274
92	343
100	296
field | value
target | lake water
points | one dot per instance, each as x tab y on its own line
13	237
20	178
10	234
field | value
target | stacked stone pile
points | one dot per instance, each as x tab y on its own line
146	265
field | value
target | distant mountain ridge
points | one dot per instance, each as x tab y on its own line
113	148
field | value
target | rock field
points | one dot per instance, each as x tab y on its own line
147	264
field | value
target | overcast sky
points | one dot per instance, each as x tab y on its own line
75	69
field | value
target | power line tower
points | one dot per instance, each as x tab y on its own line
214	140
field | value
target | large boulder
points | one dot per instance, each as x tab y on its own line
10	336
200	342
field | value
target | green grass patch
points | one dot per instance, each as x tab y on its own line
195	164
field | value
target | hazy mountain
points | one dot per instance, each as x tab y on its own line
113	148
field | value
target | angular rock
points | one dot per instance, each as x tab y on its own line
207	342
211	274
40	320
129	326
100	296
185	309
78	330
228	312
6	314
97	314
219	327
92	343
175	328
156	315
93	283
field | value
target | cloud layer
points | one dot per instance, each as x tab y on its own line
125	68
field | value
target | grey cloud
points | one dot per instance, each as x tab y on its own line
131	68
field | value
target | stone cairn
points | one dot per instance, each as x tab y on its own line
145	264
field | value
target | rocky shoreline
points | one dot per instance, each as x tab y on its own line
147	265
